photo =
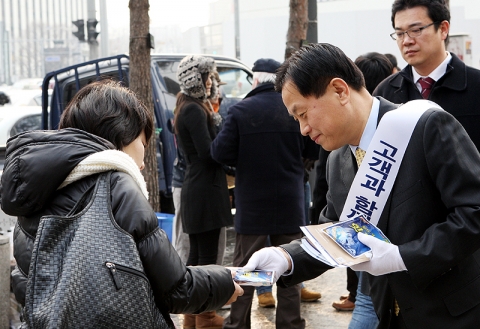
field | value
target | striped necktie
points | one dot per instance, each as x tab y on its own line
426	84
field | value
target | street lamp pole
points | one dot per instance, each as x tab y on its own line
237	30
103	28
92	17
312	30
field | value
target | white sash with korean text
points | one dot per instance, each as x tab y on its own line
375	177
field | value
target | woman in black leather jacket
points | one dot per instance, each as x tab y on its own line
38	180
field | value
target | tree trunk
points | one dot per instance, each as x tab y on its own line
297	26
141	84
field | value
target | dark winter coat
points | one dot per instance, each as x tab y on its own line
29	190
205	200
457	92
264	143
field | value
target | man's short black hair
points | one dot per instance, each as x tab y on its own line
109	110
312	67
375	67
437	9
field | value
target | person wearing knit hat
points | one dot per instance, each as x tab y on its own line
190	72
204	202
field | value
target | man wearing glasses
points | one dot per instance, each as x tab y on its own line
421	32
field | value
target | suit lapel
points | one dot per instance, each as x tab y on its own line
348	169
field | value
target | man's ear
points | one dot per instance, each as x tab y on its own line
341	89
444	29
254	83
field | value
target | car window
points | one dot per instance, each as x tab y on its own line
169	74
70	88
31	122
37	100
238	82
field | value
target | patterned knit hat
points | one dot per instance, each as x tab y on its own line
189	75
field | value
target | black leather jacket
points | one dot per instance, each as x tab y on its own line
38	162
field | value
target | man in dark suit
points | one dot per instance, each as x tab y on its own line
421	31
265	146
429	275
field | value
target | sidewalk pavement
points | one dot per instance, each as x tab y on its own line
318	315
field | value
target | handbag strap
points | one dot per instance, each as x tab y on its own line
87	195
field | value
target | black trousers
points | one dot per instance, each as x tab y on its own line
352	284
203	248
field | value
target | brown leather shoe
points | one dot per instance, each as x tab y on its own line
344	305
309	295
189	321
343	297
266	300
209	320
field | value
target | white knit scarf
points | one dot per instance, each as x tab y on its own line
105	161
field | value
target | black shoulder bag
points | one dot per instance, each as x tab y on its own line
86	272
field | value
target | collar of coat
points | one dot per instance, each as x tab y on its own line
262	88
105	161
455	77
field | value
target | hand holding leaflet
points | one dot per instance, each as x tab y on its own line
345	235
336	244
256	278
269	259
385	257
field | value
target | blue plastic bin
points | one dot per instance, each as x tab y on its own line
165	222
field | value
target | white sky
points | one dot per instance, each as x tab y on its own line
184	13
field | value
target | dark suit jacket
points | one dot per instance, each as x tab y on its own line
319	195
432	214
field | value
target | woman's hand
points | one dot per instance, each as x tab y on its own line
238	292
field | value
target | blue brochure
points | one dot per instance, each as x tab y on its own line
253	278
345	234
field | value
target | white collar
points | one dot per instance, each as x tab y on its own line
370	127
435	74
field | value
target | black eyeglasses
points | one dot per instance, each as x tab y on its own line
412	32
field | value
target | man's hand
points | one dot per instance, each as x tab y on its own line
271	259
385	257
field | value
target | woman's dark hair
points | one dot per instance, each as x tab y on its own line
109	110
312	67
375	67
183	100
437	9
